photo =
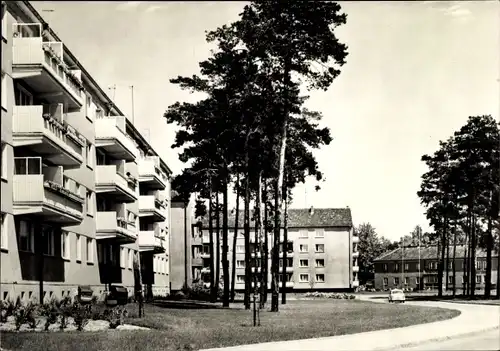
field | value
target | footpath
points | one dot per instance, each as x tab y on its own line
472	319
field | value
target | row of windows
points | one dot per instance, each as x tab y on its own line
303	278
432	280
303	248
433	265
303	234
319	263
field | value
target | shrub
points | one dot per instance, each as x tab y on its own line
115	317
65	311
50	310
25	314
8	307
81	315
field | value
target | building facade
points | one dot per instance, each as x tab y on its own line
321	252
417	268
72	173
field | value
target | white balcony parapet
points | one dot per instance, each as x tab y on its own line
43	127
355	269
111	135
355	239
151	241
149	205
42	64
110	180
109	225
355	254
150	172
355	283
46	192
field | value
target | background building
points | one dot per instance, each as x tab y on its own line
72	174
321	250
411	267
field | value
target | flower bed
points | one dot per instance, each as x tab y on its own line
330	295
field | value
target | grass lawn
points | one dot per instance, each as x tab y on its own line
193	329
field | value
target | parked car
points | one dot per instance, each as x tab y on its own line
397	295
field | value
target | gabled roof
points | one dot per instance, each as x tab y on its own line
426	253
299	218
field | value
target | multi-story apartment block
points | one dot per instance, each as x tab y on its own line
417	268
72	173
321	251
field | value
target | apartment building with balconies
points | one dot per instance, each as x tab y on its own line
416	267
321	252
70	174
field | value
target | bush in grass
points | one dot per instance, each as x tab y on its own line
8	308
81	315
49	310
116	316
25	314
65	311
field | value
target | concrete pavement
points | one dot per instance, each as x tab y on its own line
473	319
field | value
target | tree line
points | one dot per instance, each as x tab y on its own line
252	132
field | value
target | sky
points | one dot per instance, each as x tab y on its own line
414	73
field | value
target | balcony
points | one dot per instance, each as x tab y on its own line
355	269
46	192
288	254
355	283
289	269
206	239
151	241
205	270
41	65
355	254
111	135
205	255
110	226
255	269
42	129
110	181
197	261
355	239
151	206
150	173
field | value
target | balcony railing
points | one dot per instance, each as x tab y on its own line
111	226
355	269
111	135
43	128
110	180
150	241
150	173
355	239
31	51
46	191
355	254
197	261
149	205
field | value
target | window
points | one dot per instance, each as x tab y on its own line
310	233
450	265
65	247
320	278
386	281
4	159
418	266
303	248
396	267
407	267
130	258
89	154
48	243
320	233
450	279
304	278
396	281
240	264
320	263
3	232
304	263
22	97
478	279
304	234
89	203
90	251
240	278
385	267
240	248
289	262
5	91
432	265
78	247
407	280
26	237
320	247
417	280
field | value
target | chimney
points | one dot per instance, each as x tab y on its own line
311	211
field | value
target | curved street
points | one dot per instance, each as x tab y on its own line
476	322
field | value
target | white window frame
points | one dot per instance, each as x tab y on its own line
130	258
49	236
301	246
407	280
417	280
123	257
4	232
240	249
5	90
320	233
318	280
303	280
320	259
301	265
407	267
394	281
385	281
4	161
78	247
303	234
319	245
65	245
240	278
90	250
240	263
5	25
478	281
89	203
89	158
30	235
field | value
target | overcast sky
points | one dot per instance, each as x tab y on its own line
415	72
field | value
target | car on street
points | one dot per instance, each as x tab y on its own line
397	295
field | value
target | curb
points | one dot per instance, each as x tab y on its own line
436	339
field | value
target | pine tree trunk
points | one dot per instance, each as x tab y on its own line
266	246
465	265
473	249
441	260
447	261
139	297
285	246
454	268
261	241
225	234
213	293
489	249
275	255
246	220
235	237
217	243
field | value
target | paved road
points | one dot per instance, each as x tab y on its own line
484	341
